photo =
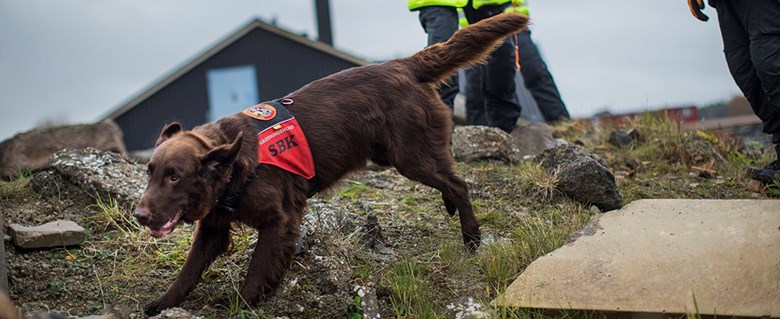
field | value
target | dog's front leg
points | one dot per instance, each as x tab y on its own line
209	242
273	254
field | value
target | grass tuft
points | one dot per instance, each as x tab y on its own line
412	295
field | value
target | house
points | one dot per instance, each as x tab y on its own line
259	62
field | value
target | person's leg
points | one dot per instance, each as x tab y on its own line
498	77
475	102
733	20
539	81
501	105
763	25
440	23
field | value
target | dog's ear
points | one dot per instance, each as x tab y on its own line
220	157
168	131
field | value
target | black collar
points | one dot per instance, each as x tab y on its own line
227	200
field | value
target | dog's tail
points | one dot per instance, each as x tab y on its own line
467	47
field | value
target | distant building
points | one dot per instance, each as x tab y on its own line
259	62
686	114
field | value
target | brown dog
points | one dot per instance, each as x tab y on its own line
389	113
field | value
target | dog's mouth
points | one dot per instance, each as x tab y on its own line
168	227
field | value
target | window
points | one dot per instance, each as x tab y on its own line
231	90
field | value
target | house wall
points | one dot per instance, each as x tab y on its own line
282	66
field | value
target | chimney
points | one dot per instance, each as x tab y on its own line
324	31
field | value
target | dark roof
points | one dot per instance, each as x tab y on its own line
227	41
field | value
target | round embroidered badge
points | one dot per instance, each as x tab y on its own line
263	112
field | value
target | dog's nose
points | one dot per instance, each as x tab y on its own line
143	216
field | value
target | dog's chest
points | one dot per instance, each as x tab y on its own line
280	139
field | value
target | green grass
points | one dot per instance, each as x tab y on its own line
16	186
412	295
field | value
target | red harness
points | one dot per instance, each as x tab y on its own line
280	141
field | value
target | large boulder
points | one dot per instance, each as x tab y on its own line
479	143
102	173
31	150
582	175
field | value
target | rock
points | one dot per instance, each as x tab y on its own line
175	313
319	287
466	308
372	233
3	261
369	304
619	138
142	156
582	176
103	173
479	143
31	150
532	139
54	234
324	219
46	183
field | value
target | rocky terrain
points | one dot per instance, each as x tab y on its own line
378	246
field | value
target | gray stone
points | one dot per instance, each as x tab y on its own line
532	139
31	150
46	183
656	256
102	173
620	138
479	143
582	176
54	234
466	308
3	261
175	313
369	304
324	219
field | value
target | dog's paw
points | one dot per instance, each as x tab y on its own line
472	241
157	306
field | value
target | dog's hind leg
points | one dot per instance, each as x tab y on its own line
209	242
428	161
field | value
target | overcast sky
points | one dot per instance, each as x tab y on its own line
75	61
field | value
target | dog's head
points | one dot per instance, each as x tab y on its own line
185	173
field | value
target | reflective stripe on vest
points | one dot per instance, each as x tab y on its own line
463	22
478	3
416	4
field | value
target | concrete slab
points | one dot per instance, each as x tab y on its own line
654	256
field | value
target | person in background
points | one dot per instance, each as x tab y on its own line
536	78
491	96
751	43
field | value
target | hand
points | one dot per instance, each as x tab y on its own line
696	6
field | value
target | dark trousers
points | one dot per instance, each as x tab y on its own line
537	80
440	23
496	83
751	42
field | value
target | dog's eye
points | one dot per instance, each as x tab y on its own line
173	177
148	172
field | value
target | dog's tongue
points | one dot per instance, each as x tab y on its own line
166	229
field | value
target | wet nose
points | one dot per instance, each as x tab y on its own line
143	216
